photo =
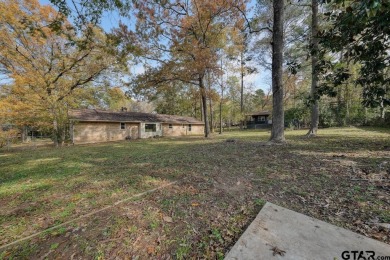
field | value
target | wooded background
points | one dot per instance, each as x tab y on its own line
329	62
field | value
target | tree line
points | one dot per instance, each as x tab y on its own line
328	61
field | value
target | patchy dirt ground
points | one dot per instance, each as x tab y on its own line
341	177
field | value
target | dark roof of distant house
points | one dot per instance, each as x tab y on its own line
94	115
260	113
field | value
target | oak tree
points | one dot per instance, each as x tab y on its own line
47	67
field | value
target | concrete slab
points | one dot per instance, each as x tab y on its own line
279	233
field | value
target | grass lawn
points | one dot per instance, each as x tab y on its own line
341	177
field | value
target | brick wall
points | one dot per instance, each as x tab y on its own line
182	130
91	132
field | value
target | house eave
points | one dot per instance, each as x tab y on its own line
179	123
107	121
126	121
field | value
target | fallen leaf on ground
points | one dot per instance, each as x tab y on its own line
277	251
168	219
150	250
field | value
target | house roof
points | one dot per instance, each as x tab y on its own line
260	113
94	115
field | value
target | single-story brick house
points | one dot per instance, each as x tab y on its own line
258	120
91	125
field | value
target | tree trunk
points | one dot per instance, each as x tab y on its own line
195	102
277	133
63	135
382	109
201	106
55	133
211	104
220	116
204	106
211	117
340	104
365	116
314	74
242	90
347	111
24	134
220	103
347	104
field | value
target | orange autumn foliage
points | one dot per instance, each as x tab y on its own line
46	63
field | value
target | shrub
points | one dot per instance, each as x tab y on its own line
7	135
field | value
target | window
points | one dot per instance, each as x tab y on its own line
170	126
189	127
150	128
260	118
123	126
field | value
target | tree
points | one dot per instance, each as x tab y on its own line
359	31
115	98
182	39
222	87
233	100
47	67
176	98
256	100
241	48
84	12
277	132
314	70
295	42
213	97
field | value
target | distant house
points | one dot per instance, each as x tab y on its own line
258	120
91	125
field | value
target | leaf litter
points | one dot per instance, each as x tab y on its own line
226	185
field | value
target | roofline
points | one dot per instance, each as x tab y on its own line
191	123
259	114
113	121
124	121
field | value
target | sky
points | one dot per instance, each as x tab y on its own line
111	20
